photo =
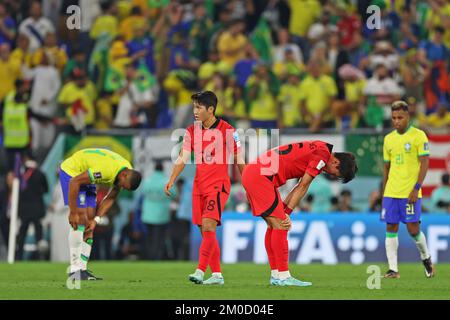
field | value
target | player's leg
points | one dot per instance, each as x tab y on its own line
270	254
390	215
280	247
412	219
215	213
197	207
76	241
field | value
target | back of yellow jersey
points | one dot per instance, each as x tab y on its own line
403	152
103	165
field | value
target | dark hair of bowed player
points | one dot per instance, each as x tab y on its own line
129	179
342	165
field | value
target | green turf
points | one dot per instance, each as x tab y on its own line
168	280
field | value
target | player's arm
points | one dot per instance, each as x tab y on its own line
74	188
424	164
104	207
386	168
180	163
298	192
239	160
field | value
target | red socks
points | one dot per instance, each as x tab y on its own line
206	249
280	249
214	262
268	245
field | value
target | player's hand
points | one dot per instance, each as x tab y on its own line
73	220
286	224
413	196
167	188
91	225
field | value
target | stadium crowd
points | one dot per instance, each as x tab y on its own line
310	64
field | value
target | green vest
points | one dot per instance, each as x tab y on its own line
16	130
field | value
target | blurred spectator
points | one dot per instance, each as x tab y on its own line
56	55
77	61
376	199
344	202
31	203
107	22
349	23
409	31
180	229
434	49
9	70
284	44
180	57
134	21
234	99
104	231
141	42
346	109
440	197
208	68
383	53
439	16
90	9
217	84
130	241
7	26
137	104
288	66
358	50
262	93
21	53
104	111
289	103
45	88
243	68
413	75
320	194
15	119
438	122
232	44
317	92
180	84
380	91
319	30
303	15
199	33
77	99
155	212
36	27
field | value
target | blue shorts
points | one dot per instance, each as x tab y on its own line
396	210
87	196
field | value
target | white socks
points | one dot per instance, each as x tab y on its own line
274	273
283	275
86	247
217	274
421	243
391	250
75	242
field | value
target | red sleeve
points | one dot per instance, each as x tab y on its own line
188	143
318	161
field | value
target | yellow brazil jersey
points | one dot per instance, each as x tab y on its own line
289	98
102	165
403	152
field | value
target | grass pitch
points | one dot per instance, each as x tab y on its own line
168	280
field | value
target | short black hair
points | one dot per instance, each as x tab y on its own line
135	179
346	192
347	166
439	29
205	98
159	166
399	105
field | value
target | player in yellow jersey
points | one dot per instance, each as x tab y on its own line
405	153
79	176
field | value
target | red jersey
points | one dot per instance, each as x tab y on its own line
212	148
293	160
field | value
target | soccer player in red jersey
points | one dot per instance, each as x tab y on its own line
212	140
271	170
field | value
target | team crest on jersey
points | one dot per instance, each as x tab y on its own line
408	147
97	175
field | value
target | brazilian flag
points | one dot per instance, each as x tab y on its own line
262	41
144	79
114	79
158	3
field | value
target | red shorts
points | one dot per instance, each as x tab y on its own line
209	205
262	194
